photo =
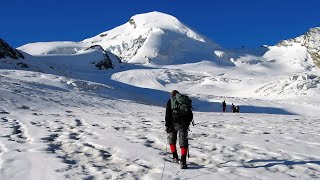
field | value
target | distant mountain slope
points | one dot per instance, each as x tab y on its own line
58	47
293	55
61	58
310	40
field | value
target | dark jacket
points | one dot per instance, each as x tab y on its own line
224	104
174	120
169	122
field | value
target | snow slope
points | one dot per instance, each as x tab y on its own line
59	47
110	124
66	58
54	129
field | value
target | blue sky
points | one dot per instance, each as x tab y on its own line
230	23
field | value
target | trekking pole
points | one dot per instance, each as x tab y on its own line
188	149
165	157
189	143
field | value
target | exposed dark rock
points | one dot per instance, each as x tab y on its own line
7	51
132	22
103	35
105	64
22	65
96	47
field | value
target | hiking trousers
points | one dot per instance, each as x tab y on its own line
183	137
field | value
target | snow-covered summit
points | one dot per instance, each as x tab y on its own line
310	40
156	38
165	22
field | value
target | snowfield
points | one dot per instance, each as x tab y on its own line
53	127
63	118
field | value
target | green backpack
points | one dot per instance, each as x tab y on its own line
182	105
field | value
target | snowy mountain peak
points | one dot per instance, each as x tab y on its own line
156	38
163	21
310	40
154	18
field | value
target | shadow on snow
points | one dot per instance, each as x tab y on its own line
274	162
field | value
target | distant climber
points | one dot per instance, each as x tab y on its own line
238	109
224	106
178	118
233	108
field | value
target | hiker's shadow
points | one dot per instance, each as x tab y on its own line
274	162
193	165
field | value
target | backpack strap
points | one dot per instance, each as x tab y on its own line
174	105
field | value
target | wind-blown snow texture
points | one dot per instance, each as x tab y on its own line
63	118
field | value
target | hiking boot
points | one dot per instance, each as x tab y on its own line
175	157
183	162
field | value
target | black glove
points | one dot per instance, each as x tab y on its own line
168	130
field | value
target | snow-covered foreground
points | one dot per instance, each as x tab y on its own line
53	127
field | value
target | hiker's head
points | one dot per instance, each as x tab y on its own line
173	93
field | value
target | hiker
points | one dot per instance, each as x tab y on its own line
224	106
233	108
238	109
177	121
